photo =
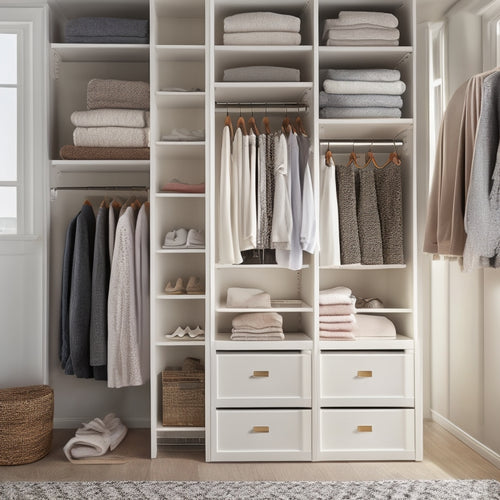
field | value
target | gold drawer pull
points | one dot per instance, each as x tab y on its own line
365	373
264	373
365	428
260	428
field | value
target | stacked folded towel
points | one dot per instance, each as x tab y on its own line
353	28
182	238
361	93
257	326
261	74
116	123
261	28
106	30
337	318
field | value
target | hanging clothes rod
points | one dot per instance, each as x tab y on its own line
262	106
361	143
55	190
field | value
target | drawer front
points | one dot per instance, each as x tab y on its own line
263	379
367	379
263	434
381	434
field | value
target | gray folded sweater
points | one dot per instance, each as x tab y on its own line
363	75
261	21
117	94
370	112
359	101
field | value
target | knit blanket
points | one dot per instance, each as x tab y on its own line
385	88
111	118
363	75
70	152
117	94
371	112
261	21
384	19
111	137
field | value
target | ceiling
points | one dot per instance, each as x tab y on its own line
432	10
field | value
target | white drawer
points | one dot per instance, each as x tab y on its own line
353	378
263	379
263	435
374	434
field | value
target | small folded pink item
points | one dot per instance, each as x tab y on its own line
336	327
334	309
176	186
344	318
336	335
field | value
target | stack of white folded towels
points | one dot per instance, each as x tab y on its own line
337	313
261	28
356	28
257	326
361	93
117	115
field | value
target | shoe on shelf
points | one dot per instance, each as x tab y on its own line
178	289
177	238
179	332
197	332
370	303
194	286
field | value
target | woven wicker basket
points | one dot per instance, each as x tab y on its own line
26	421
183	398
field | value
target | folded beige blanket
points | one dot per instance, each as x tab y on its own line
385	19
374	325
336	335
117	94
261	21
261	336
257	331
262	38
364	33
257	320
382	88
111	137
136	118
337	318
334	309
70	152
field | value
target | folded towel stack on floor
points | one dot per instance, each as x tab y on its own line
116	124
106	30
257	326
365	29
361	93
261	28
337	318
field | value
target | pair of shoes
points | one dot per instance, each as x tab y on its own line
182	332
182	238
370	303
193	287
93	439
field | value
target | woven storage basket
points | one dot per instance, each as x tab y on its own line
183	398
26	421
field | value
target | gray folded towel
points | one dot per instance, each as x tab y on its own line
106	26
362	34
350	252
117	94
339	24
370	236
363	17
106	39
386	88
359	101
329	112
363	75
362	43
261	21
111	137
262	38
261	74
110	118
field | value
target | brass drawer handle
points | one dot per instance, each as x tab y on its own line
260	428
365	428
263	373
365	373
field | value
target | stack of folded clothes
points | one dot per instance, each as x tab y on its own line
182	238
261	74
337	318
106	30
356	28
257	326
261	28
361	93
116	124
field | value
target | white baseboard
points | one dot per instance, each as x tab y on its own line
471	442
74	423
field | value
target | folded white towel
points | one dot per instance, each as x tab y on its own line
261	21
372	112
111	137
247	297
362	34
339	335
385	88
363	17
362	75
262	38
362	43
337	318
257	336
335	295
136	118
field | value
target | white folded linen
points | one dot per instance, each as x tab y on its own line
262	38
362	75
362	43
257	336
335	295
247	297
374	325
330	24
337	318
336	335
385	88
258	320
360	113
109	117
336	327
362	34
261	74
111	137
261	21
359	101
385	19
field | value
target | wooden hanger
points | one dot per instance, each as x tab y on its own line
393	158
300	126
328	156
252	125
353	159
241	124
286	124
229	123
265	122
370	158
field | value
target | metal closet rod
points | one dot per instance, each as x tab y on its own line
361	143
100	188
294	106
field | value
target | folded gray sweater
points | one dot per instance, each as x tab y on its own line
359	101
360	113
261	74
363	75
106	39
261	21
106	26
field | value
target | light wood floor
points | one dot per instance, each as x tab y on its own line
445	457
